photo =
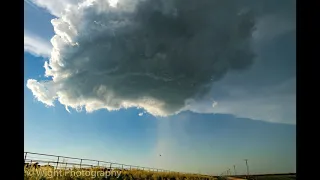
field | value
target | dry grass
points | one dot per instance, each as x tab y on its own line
43	173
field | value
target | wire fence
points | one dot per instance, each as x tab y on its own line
63	162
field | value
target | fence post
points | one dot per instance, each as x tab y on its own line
80	163
57	163
25	157
130	167
98	163
122	166
110	166
66	166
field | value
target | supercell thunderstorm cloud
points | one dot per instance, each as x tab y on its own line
152	54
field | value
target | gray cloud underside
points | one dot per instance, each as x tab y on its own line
152	54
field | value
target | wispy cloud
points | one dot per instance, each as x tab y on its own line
55	7
31	4
276	104
36	45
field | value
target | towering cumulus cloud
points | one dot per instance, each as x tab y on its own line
152	54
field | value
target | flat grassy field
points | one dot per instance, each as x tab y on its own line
272	177
43	173
276	177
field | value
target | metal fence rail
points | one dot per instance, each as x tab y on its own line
64	162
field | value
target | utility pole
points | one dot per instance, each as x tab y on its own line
234	167
247	166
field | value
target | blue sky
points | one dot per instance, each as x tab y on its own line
254	118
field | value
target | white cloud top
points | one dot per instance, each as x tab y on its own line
162	56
